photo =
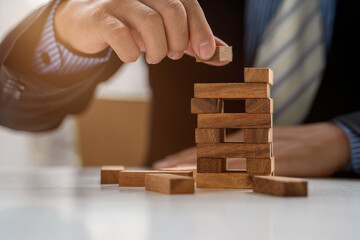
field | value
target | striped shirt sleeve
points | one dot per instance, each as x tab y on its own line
354	140
51	57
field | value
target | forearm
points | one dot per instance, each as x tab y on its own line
35	102
51	56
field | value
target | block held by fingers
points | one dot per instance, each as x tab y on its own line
222	54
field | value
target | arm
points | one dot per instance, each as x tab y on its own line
31	102
52	57
312	150
36	102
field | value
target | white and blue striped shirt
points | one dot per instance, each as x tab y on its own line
51	57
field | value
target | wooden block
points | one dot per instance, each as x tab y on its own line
169	183
223	180
263	75
233	150
231	90
209	135
133	178
234	120
182	168
211	165
259	105
222	54
110	174
206	105
280	186
258	135
260	165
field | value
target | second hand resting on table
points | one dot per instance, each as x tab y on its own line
314	150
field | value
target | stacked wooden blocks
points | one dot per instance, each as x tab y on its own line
213	150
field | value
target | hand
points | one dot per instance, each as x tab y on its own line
313	150
188	157
160	28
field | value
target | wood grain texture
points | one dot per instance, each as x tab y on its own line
259	105
211	165
181	168
169	183
260	165
280	186
231	90
223	180
234	120
206	105
233	150
222	54
136	178
263	75
258	135
110	174
209	135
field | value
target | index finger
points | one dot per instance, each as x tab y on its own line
202	38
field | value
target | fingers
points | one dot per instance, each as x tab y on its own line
236	164
189	51
150	26
120	38
185	157
175	21
201	37
161	28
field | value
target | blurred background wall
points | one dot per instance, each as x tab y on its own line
113	130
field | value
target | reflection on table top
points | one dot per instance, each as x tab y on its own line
68	203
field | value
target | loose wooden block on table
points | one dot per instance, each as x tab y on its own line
133	178
223	180
259	105
211	165
169	183
233	150
191	168
222	54
206	105
260	165
231	90
234	120
209	135
110	174
280	186
258	135
264	75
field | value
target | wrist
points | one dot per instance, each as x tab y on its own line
60	24
72	32
341	142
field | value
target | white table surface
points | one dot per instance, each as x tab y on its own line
67	203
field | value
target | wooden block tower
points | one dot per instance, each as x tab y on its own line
213	149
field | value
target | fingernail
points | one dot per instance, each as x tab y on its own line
156	62
149	61
174	56
206	51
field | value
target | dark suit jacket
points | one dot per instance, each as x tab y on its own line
32	103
